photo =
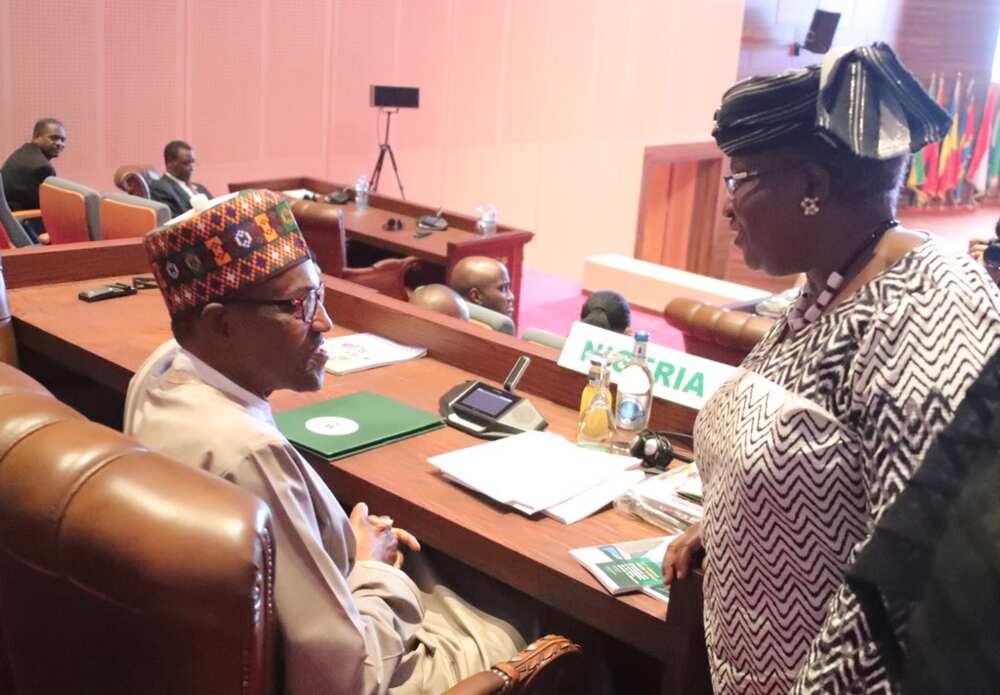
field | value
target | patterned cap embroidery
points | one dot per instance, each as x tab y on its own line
234	244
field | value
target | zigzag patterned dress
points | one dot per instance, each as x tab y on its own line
802	450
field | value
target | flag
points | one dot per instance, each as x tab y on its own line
950	162
993	172
932	152
980	162
917	176
968	130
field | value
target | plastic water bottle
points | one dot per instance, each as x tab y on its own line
597	421
635	395
487	222
361	193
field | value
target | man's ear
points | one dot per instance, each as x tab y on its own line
215	320
475	296
817	180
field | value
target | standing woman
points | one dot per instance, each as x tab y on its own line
830	414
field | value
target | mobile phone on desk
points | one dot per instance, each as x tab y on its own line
98	294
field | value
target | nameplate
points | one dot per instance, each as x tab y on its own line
677	376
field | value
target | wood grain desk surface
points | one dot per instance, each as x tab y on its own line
367	225
110	340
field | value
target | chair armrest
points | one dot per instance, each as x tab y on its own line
388	276
27	214
527	672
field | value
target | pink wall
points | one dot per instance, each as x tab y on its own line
543	107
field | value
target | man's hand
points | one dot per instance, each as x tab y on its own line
376	538
680	554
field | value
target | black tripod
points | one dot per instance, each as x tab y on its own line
383	148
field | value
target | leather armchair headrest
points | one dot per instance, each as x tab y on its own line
712	324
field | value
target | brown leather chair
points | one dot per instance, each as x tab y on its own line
713	332
322	232
122	571
134	179
8	344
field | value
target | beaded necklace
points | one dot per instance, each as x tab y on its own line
799	316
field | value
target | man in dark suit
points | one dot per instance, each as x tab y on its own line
175	187
28	166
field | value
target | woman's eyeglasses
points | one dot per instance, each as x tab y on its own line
304	308
734	181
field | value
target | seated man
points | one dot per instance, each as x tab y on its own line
246	307
484	281
442	299
29	165
175	187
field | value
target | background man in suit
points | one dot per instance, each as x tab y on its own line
175	188
29	165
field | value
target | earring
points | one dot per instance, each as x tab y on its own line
810	205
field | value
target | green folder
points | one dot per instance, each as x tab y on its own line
351	424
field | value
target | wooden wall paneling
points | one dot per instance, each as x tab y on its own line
680	204
704	216
950	36
656	177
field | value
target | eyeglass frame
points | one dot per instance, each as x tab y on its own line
733	181
298	304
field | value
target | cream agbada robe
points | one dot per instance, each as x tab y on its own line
348	627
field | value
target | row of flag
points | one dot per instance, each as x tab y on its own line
965	165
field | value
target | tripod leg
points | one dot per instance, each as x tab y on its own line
377	171
395	170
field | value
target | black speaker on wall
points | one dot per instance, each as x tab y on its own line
821	31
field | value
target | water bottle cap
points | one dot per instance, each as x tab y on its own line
642	336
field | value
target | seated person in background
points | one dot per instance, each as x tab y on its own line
29	165
175	187
351	620
442	299
484	281
609	310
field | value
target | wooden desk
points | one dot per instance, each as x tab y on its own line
526	553
442	249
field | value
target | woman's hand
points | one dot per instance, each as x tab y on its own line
977	247
679	558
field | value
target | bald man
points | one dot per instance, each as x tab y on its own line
442	299
484	281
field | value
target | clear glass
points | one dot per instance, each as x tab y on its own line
596	425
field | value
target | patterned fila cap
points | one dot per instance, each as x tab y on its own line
239	241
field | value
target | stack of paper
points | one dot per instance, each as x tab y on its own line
671	500
353	353
541	472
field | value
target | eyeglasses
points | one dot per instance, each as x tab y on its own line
304	308
733	181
